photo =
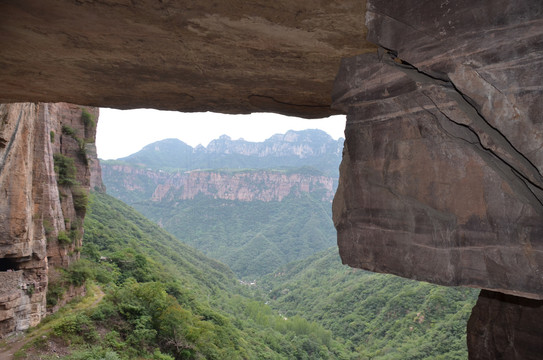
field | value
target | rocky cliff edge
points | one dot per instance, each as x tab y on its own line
45	160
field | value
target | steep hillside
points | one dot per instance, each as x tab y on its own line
165	300
112	226
381	316
253	238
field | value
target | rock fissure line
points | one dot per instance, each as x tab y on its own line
286	103
527	179
11	141
528	183
530	166
396	61
489	151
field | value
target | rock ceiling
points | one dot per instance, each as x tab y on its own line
226	56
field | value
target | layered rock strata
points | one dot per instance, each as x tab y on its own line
44	179
243	185
441	178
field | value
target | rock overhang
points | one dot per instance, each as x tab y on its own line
230	57
442	172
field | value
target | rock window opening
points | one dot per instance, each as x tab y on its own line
9	264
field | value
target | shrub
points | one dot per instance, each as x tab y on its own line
105	311
80	198
64	238
79	272
74	326
65	169
47	226
54	293
82	151
92	353
91	251
48	229
87	118
52	136
157	355
67	130
107	273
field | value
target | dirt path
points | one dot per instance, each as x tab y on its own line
16	342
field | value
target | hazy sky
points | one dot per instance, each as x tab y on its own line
124	132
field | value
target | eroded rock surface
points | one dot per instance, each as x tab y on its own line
505	327
442	173
40	214
246	185
441	178
226	56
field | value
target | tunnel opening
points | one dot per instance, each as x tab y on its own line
9	264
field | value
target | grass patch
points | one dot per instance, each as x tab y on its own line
37	338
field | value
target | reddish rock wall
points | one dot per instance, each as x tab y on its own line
34	209
229	185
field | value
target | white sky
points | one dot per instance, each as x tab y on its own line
124	132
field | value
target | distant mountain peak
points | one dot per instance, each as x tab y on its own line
295	148
165	144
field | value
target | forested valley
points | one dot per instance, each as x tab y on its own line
210	275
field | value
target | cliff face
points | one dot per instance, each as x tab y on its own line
41	212
441	178
285	164
259	185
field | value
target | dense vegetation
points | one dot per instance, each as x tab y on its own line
165	300
253	238
380	316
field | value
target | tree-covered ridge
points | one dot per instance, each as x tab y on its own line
380	316
252	238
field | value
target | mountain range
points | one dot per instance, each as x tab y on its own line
305	148
253	219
